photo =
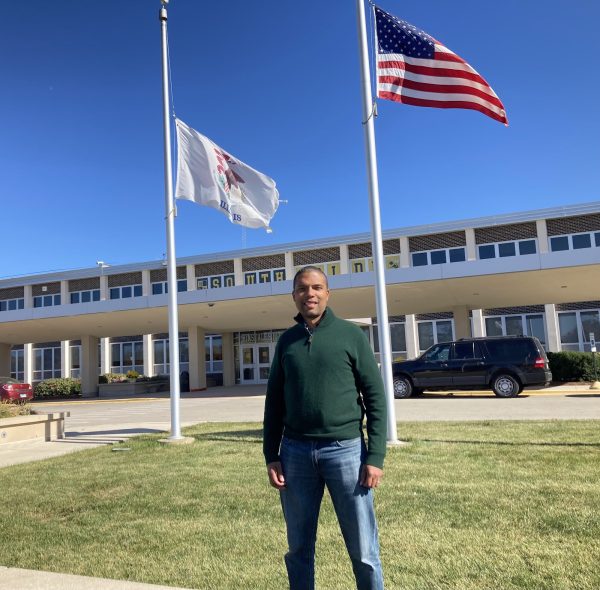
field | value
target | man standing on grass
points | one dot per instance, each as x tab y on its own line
323	381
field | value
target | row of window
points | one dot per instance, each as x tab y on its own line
425	258
575	241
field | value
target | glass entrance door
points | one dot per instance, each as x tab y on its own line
255	362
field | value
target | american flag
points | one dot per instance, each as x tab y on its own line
414	68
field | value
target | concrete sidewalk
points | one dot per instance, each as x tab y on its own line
18	579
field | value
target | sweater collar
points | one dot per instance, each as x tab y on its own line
326	319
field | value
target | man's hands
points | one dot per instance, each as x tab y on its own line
275	472
370	476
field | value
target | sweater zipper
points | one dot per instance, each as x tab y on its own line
310	336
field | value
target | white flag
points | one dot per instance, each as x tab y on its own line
210	176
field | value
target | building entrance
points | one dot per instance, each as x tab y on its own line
255	363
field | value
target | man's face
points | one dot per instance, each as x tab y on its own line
311	295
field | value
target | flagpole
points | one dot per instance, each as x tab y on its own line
380	292
171	261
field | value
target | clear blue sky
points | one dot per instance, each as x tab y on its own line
276	83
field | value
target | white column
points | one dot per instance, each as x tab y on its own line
228	360
344	260
146	289
404	252
237	270
289	266
89	366
552	328
478	323
4	359
65	358
471	245
190	275
197	354
148	355
28	362
103	288
64	293
410	332
105	365
28	297
462	329
542	236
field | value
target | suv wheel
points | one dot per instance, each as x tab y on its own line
402	387
505	385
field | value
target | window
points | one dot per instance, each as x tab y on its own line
75	368
517	325
17	364
526	247
487	251
439	353
213	346
163	287
457	255
12	304
438	256
582	241
507	249
597	239
162	356
397	337
467	350
46	363
511	350
85	296
434	331
126	292
127	356
559	244
576	327
419	259
46	300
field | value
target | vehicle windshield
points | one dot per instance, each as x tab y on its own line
5	380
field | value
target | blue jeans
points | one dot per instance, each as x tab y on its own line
309	466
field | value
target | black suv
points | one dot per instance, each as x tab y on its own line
505	364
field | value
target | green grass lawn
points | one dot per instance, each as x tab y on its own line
486	505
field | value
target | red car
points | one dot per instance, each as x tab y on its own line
15	391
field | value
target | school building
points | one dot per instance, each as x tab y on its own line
533	272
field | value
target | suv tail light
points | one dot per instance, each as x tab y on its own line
539	363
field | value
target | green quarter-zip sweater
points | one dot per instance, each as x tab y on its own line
315	388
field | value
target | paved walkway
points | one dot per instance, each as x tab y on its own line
18	579
96	422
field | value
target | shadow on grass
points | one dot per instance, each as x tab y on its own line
249	435
506	443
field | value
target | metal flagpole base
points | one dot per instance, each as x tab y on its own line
183	440
595	385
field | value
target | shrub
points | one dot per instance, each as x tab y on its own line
112	378
573	366
132	374
65	387
11	409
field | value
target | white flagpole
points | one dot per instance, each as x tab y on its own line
380	293
170	222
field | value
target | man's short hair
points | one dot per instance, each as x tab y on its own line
306	269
